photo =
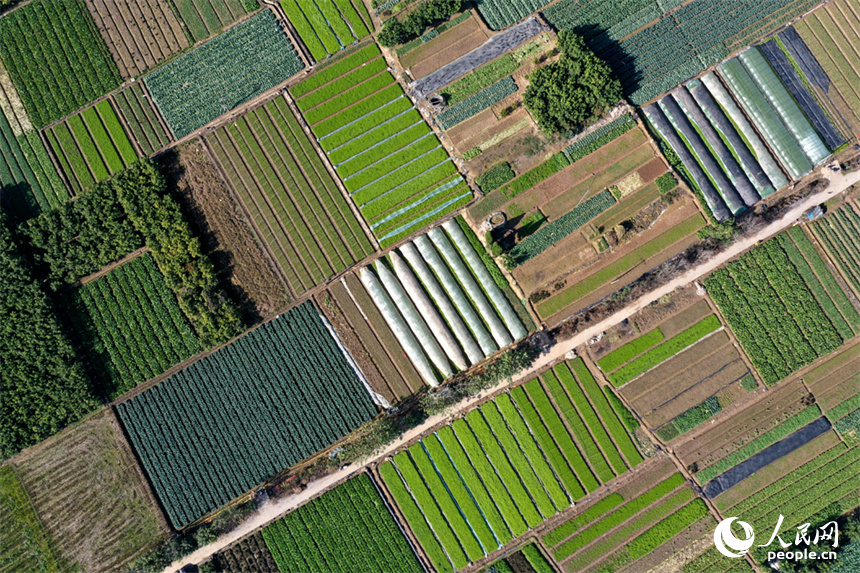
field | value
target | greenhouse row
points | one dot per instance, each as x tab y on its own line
748	129
441	302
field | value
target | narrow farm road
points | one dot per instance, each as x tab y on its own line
275	509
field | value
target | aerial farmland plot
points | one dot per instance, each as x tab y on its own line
142	34
328	26
298	210
391	162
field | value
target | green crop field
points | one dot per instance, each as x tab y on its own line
247	60
91	146
348	528
391	163
312	398
132	299
56	58
778	316
297	208
140	117
326	26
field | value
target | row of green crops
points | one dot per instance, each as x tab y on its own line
523	183
477	103
690	419
91	146
495	177
141	119
348	528
247	60
326	26
303	217
56	58
502	13
550	234
665	350
391	162
629	351
599	137
501	470
829	482
572	535
131	325
28	177
772	311
838	232
787	427
259	405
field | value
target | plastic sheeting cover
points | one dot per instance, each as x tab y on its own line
428	311
661	123
443	302
683	126
476	295
808	104
413	319
722	124
755	104
456	294
762	153
784	105
730	164
398	326
497	297
804	58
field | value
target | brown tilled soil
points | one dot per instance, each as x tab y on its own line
444	49
225	232
653	169
91	495
139	33
745	425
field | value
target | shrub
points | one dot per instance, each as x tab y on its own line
666	182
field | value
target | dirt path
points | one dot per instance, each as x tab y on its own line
275	509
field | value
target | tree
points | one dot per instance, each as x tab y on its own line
564	94
424	15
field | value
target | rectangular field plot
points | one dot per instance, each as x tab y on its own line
369	339
326	26
131	325
56	58
298	210
88	491
240	64
619	530
29	180
392	164
141	119
271	398
507	466
349	525
91	146
783	304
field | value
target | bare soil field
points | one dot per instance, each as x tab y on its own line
444	48
369	341
733	432
139	33
91	495
653	169
226	233
674	553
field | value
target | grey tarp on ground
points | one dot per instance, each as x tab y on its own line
710	164
661	123
784	105
723	124
762	154
724	155
808	104
804	58
770	454
489	50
